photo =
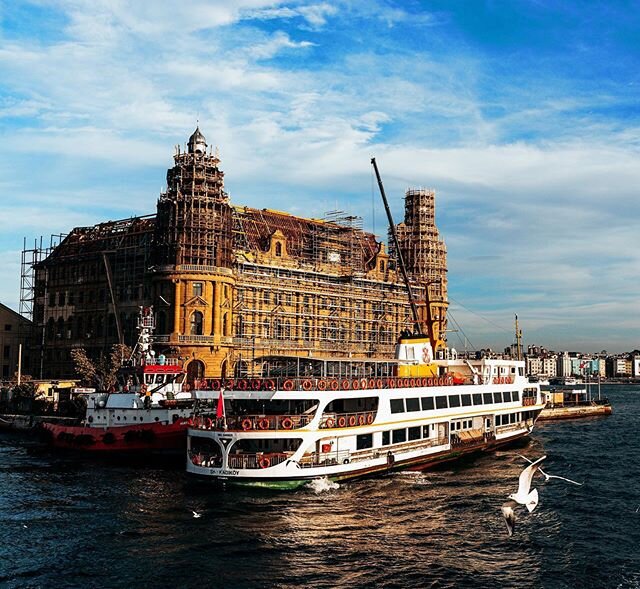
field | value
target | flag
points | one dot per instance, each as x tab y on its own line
220	409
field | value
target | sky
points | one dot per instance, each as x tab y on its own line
523	115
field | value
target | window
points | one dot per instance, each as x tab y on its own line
425	431
488	398
515	395
8	326
5	371
466	400
414	433
397	405
441	402
386	438
381	266
497	397
413	404
507	396
61	299
7	352
364	441
399	436
454	400
477	399
279	254
196	323
197	289
427	403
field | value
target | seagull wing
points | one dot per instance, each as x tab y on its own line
524	481
553	476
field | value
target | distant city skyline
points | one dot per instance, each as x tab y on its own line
524	117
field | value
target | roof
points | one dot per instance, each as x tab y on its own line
15	314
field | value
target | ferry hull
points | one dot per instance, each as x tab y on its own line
118	440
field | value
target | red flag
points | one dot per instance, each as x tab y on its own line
220	409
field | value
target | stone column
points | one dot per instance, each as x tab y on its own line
176	309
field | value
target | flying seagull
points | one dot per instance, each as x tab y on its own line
509	516
547	477
525	496
196	515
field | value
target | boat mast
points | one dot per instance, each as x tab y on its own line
412	301
518	341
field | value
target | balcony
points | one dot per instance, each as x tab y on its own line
260	423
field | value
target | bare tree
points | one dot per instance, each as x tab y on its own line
100	373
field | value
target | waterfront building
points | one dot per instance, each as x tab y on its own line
14	331
564	365
533	365
550	366
231	283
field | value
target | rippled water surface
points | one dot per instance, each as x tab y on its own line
70	523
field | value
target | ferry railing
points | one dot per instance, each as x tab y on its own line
256	460
501	429
253	422
528	401
340	420
205	459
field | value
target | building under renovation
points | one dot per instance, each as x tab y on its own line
230	284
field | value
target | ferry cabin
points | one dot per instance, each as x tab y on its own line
282	430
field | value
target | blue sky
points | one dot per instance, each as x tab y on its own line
523	115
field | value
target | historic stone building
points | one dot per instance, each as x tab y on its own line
230	284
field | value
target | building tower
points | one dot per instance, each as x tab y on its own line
425	255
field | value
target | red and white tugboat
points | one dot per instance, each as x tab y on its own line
150	412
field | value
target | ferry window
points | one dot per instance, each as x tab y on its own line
425	431
399	436
466	400
507	396
454	400
386	438
427	403
477	398
515	395
414	433
159	378
498	419
148	378
364	441
413	404
488	398
441	402
397	405
497	397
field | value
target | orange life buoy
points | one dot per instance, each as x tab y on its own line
346	384
263	423
334	385
352	420
430	382
342	421
372	383
355	384
269	385
247	424
242	385
361	419
208	423
370	418
256	385
379	383
322	385
288	385
307	385
215	384
330	422
363	383
264	462
412	382
496	380
287	423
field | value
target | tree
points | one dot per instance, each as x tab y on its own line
100	373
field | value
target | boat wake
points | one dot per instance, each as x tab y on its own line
321	485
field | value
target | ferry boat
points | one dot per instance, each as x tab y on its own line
311	417
150	411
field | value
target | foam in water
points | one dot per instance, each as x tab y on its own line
322	484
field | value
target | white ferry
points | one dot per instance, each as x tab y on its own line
308	418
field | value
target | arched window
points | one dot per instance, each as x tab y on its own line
225	324
51	328
60	328
278	249
381	265
161	318
196	323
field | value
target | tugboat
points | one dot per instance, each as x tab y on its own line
300	419
150	411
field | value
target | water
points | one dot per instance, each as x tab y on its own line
66	523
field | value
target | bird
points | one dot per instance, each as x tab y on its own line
196	515
525	496
548	477
509	516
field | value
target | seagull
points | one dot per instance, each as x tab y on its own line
547	477
196	515
509	516
524	495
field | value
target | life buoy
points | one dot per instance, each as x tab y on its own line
370	418
496	380
329	423
264	462
342	421
352	420
412	382
242	385
425	355
346	384
334	385
288	385
263	423
256	385
391	383
450	379
363	383
355	384
247	424
425	381
430	382
361	419
307	385
322	385
215	385
269	385
372	383
287	423
208	423
379	383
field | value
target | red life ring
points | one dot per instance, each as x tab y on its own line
412	382
363	383
355	384
346	385
215	385
430	382
247	424
361	419
263	423
269	385
264	462
352	420
379	383
372	383
496	380
242	385
329	423
208	423
342	421
322	385
370	418
288	385
287	423
334	385
307	385
391	382
256	385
